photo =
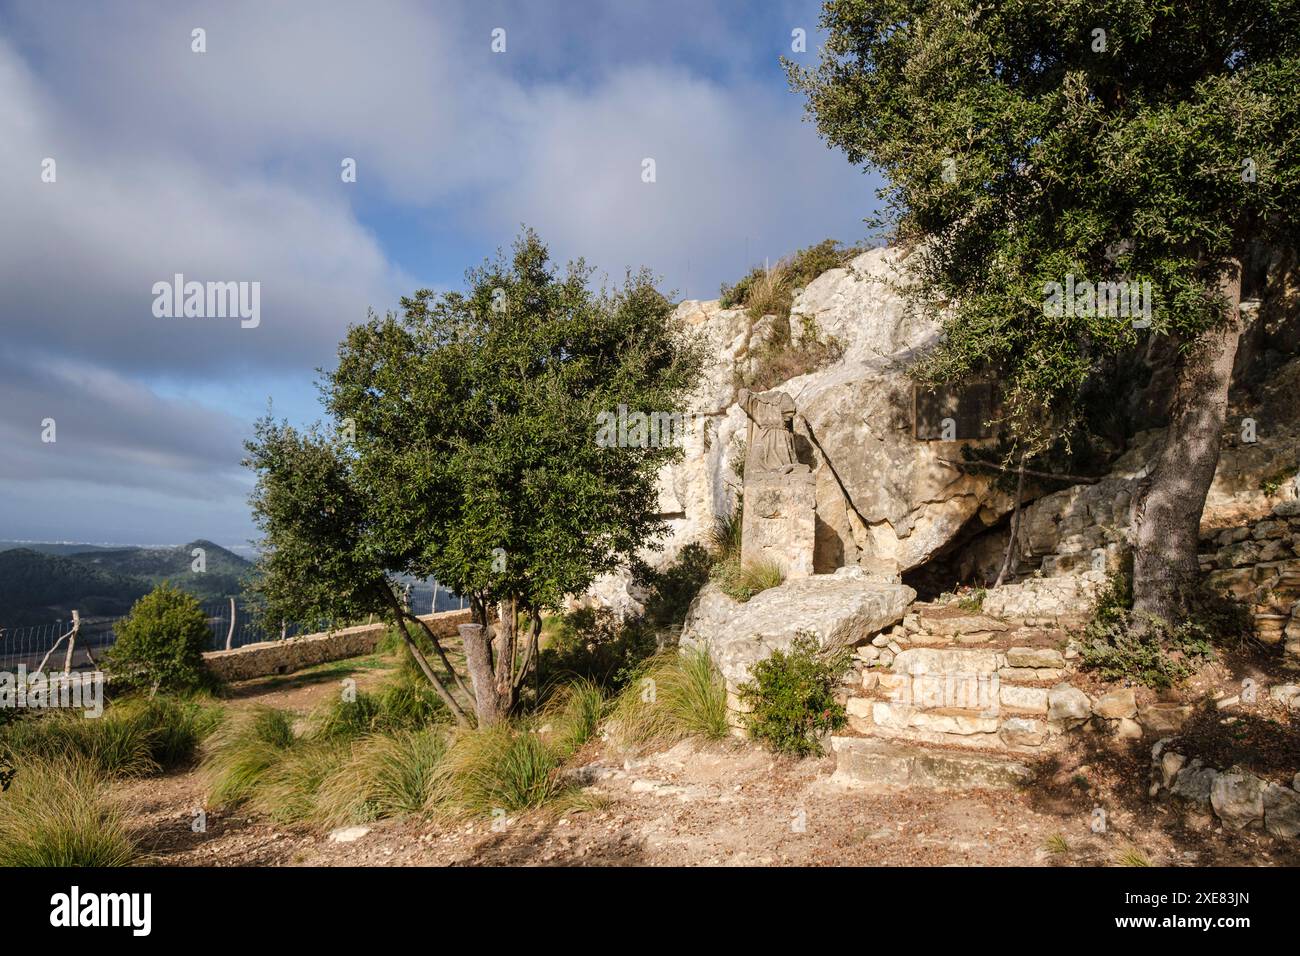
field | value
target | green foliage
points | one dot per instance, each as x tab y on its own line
1018	153
476	414
58	812
593	643
1272	484
1146	649
160	644
135	737
972	599
243	751
387	775
724	537
742	582
674	696
1121	643
574	713
791	697
498	768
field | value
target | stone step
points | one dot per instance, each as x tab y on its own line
1003	731
888	766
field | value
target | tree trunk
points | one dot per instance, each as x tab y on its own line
439	687
1013	527
490	705
1167	529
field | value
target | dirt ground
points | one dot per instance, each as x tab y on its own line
722	804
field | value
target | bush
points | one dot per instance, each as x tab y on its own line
497	768
742	582
574	712
59	813
160	643
243	752
791	698
1138	647
135	737
673	697
385	776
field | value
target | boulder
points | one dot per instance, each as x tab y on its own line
1281	811
841	610
1023	732
1067	703
1195	782
1237	798
1116	704
1165	717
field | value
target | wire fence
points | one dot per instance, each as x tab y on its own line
30	645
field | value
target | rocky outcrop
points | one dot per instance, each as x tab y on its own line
1238	798
841	610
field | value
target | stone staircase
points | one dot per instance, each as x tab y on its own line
955	699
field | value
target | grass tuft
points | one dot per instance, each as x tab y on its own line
742	582
676	696
58	812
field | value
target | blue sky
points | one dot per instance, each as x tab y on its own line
224	166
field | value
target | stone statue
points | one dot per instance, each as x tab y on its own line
771	438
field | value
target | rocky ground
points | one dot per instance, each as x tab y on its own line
728	804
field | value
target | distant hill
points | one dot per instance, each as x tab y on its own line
38	587
43	547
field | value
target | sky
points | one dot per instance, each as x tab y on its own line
227	166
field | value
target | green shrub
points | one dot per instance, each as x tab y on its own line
59	813
574	712
160	643
724	537
497	768
243	751
385	776
742	582
1139	647
791	697
135	736
673	697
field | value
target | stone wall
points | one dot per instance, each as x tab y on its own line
295	653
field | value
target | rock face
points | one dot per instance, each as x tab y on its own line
842	610
883	499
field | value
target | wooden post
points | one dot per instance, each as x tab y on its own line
72	642
230	633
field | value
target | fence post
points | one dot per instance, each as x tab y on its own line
230	634
72	642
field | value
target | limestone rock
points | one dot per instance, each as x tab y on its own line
1030	699
1287	695
1170	764
1116	704
1195	782
1067	703
841	611
348	834
1281	811
1238	799
1128	729
1165	717
1035	657
1022	732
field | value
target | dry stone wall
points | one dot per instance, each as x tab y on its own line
307	650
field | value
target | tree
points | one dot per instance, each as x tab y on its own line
1026	143
160	643
474	456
